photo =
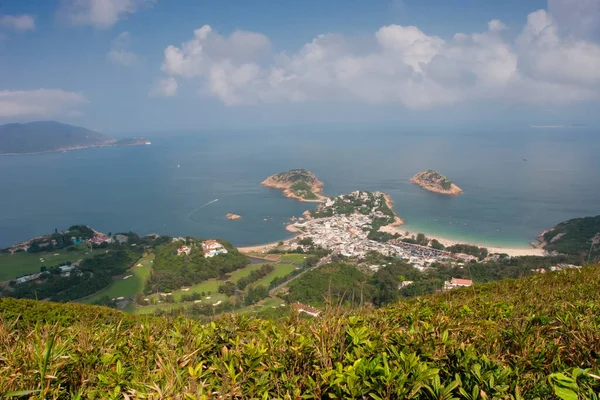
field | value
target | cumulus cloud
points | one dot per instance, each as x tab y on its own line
39	103
100	13
398	64
119	52
165	87
578	17
19	23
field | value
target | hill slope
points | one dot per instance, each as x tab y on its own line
574	237
34	137
536	337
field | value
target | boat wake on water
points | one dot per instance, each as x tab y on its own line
201	207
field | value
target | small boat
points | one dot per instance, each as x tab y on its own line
178	166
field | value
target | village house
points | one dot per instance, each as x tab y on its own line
298	307
211	248
65	270
100	239
121	238
456	283
27	278
404	284
184	250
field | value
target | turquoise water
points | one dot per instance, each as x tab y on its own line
507	200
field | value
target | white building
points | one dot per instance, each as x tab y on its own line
456	283
184	250
211	248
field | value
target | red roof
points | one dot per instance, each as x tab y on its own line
299	306
458	281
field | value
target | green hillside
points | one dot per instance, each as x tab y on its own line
575	237
535	337
46	136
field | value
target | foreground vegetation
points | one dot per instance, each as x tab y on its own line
536	337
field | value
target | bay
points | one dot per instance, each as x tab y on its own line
516	182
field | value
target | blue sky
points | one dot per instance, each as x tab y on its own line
135	66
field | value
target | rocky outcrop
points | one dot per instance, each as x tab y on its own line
435	182
298	184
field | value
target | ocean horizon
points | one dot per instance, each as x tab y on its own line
516	183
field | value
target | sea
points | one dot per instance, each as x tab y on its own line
516	182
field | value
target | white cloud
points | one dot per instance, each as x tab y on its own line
496	26
165	87
398	64
579	17
548	57
39	103
100	13
19	23
119	52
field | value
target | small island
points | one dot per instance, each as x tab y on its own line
298	184
436	182
233	216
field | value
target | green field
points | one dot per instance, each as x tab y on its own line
214	297
211	285
14	265
126	287
293	258
280	270
244	272
269	302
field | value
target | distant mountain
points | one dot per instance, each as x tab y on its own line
42	136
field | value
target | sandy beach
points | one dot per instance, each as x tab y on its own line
511	251
258	248
396	227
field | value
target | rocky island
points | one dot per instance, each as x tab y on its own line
298	184
233	216
436	182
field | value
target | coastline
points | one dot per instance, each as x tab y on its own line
316	188
453	191
73	149
449	241
268	246
397	227
390	204
446	241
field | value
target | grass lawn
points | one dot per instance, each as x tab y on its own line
126	287
269	302
211	285
280	270
18	264
294	258
169	306
244	272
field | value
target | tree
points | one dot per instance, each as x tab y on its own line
422	239
228	288
437	245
